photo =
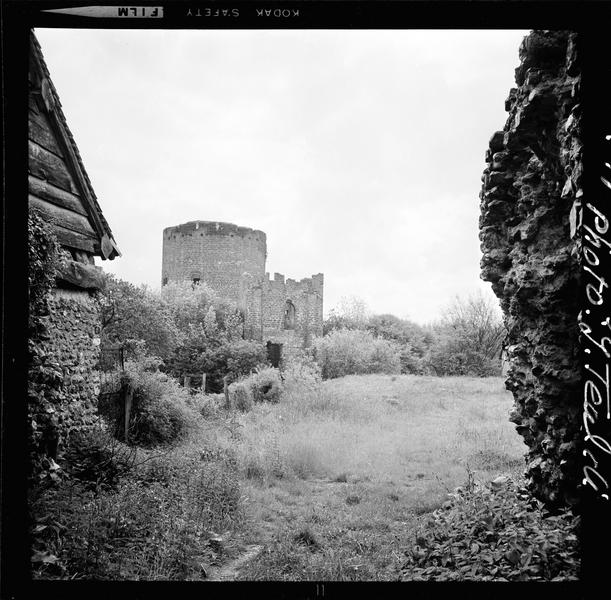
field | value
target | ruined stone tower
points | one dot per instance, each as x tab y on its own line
231	260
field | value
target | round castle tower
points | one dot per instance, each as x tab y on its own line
225	256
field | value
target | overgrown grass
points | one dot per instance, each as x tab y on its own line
346	479
154	523
383	428
356	464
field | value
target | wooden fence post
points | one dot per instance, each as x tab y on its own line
128	396
204	383
226	391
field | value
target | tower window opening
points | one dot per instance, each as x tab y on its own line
289	315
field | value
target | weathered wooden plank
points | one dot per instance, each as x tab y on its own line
32	102
47	191
39	130
82	275
62	216
72	239
46	165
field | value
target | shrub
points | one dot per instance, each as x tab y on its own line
266	385
301	372
155	525
303	389
497	533
412	363
243	356
449	358
353	352
207	405
216	358
131	314
468	339
199	307
160	411
240	395
95	456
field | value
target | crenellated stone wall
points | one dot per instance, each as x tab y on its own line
529	233
217	253
307	297
231	260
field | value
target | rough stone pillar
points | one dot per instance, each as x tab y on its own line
530	202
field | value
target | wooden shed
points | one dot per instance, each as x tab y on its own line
59	187
60	190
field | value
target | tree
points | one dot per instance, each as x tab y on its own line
403	331
351	313
197	310
211	331
469	338
477	322
412	338
132	314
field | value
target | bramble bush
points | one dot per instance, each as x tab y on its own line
496	532
263	385
160	413
356	352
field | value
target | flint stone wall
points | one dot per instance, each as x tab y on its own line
529	233
64	376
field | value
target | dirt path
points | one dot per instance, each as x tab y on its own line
230	571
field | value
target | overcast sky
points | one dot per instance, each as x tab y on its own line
359	153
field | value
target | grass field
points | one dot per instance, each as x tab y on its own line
340	480
336	477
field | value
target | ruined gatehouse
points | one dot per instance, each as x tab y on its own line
231	260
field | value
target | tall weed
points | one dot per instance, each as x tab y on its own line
154	525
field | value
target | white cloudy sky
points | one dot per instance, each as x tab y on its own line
359	153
